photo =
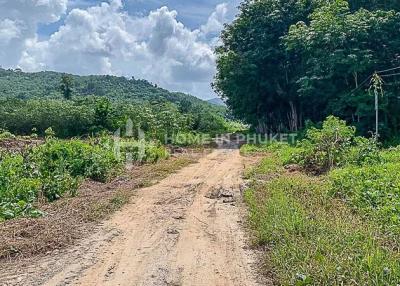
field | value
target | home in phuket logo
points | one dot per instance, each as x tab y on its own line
129	147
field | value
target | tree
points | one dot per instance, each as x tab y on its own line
358	44
284	62
102	114
375	5
66	86
254	70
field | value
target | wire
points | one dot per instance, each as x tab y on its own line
361	84
388	75
378	72
392	69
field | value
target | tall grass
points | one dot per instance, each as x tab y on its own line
311	235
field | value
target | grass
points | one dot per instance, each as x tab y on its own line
103	208
371	190
249	149
311	237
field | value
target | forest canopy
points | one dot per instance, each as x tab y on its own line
83	105
285	62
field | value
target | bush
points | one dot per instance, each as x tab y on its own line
142	151
4	134
391	155
334	145
50	171
56	185
325	148
18	187
76	157
155	152
363	151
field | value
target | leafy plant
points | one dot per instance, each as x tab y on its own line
325	148
76	157
49	172
373	190
18	186
4	134
334	145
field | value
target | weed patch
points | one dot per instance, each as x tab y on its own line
314	238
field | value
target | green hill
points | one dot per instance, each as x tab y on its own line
21	85
35	101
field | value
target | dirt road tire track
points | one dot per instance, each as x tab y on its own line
186	230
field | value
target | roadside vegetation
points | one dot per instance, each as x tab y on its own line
56	168
326	210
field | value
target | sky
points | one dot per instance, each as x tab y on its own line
167	42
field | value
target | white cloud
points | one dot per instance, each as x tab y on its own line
104	39
216	21
18	24
84	44
9	30
33	11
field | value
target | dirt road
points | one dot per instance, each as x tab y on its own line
186	230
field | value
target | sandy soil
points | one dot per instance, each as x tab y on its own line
186	230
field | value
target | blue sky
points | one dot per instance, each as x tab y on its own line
170	42
192	13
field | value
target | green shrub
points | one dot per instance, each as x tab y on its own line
363	151
4	134
391	155
18	187
142	151
334	145
102	164
50	171
58	184
325	148
76	157
155	152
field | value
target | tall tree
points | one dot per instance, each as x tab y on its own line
338	52
102	114
283	62
66	86
254	70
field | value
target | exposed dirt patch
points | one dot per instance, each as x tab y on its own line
169	234
18	145
71	218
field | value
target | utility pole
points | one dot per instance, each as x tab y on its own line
377	85
376	114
